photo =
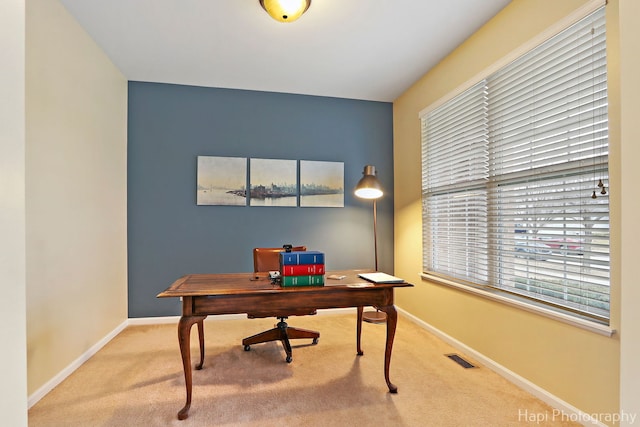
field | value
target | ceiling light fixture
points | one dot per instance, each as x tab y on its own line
285	10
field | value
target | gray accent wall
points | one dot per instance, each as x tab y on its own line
169	126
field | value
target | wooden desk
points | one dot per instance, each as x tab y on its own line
208	294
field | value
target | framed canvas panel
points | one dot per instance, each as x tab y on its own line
222	181
321	184
273	182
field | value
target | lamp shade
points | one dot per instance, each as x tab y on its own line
285	10
369	187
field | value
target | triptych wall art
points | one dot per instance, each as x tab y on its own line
238	181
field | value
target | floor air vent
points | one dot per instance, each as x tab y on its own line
460	361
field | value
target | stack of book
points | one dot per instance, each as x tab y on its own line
302	268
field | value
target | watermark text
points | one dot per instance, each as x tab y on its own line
558	415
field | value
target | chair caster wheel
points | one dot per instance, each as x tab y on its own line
247	348
315	341
289	359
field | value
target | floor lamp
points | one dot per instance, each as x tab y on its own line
369	188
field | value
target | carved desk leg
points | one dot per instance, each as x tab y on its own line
392	321
184	338
201	340
359	330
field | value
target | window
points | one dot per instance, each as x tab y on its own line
515	178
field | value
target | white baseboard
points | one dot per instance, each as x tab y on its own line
523	383
53	382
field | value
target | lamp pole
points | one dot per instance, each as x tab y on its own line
369	188
375	232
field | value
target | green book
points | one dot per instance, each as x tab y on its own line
311	280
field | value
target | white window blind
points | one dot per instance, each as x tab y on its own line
510	177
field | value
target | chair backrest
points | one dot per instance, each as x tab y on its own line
267	259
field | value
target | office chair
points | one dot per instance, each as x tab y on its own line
265	260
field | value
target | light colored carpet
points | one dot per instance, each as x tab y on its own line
137	380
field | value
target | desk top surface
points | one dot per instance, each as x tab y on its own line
252	283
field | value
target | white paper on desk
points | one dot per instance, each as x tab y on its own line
379	277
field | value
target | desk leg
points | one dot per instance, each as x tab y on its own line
201	340
392	321
184	338
359	330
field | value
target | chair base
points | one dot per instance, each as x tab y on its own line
283	333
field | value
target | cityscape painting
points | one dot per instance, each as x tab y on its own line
321	184
222	181
273	182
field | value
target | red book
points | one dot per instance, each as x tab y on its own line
302	270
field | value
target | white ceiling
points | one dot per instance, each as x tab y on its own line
359	49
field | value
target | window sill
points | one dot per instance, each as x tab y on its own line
530	307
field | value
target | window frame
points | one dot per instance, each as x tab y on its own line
489	291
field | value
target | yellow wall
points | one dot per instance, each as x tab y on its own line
630	204
575	365
76	255
13	388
